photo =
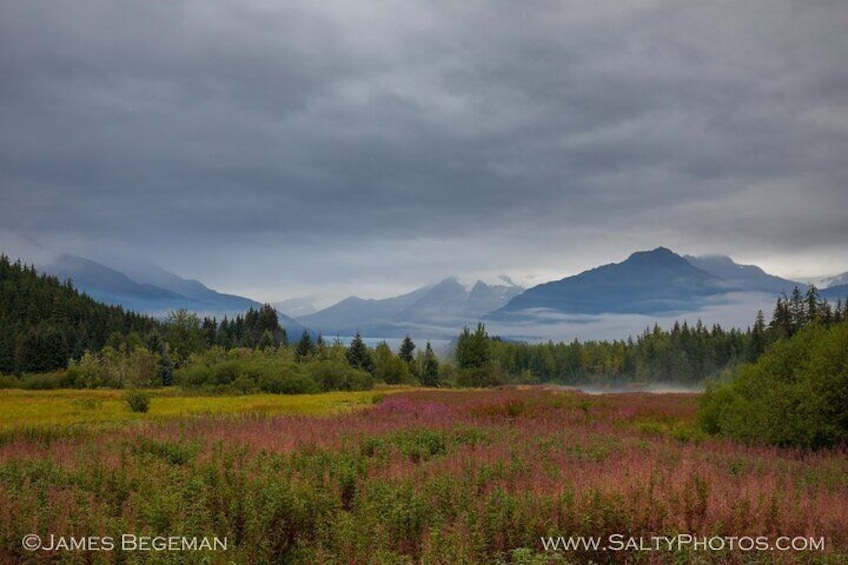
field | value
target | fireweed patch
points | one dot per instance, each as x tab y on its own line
421	477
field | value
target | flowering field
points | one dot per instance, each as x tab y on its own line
440	477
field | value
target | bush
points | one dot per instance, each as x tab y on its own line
338	375
9	381
795	395
293	383
137	400
489	375
246	371
244	385
48	381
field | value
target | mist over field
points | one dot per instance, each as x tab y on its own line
734	310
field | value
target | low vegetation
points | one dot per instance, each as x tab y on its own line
56	412
795	395
437	477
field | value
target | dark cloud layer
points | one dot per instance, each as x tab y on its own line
276	148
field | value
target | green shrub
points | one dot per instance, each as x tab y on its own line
173	453
10	381
245	371
795	395
47	381
292	383
192	377
338	375
244	385
137	400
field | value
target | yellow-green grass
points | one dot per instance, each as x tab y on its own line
25	408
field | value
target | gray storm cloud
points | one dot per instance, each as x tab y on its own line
279	148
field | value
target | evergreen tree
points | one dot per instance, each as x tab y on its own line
44	322
406	349
305	348
781	319
758	338
358	355
266	341
209	329
798	314
813	304
430	368
473	350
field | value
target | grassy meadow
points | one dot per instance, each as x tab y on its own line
403	476
68	407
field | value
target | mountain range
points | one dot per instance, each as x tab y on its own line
657	283
434	310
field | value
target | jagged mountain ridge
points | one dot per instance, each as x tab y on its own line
436	309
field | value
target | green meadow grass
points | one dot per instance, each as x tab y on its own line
56	408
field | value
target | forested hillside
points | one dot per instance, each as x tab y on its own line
45	322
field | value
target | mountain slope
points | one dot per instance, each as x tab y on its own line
212	300
435	310
647	282
360	314
742	277
835	293
154	291
837	280
111	286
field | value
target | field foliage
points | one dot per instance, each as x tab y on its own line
440	477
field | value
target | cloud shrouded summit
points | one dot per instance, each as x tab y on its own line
276	149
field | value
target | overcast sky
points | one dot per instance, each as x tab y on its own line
281	148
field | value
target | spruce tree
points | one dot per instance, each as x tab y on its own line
473	350
305	348
758	338
406	349
430	369
358	356
813	304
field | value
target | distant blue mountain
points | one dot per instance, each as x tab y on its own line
742	277
437	310
113	287
647	282
834	293
154	291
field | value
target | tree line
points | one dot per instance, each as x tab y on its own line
687	354
52	336
46	325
